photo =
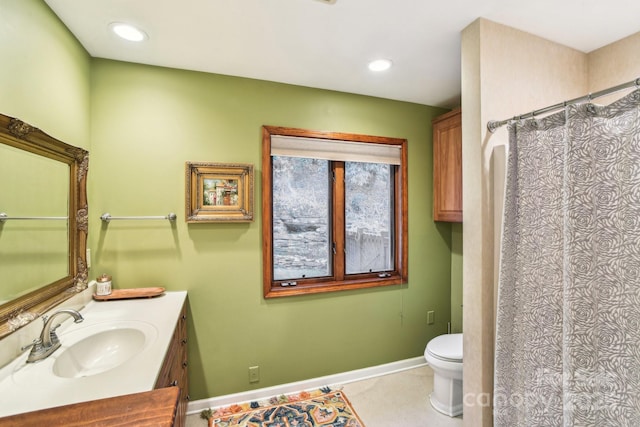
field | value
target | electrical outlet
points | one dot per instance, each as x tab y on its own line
254	374
430	317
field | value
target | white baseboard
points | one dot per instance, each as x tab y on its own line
197	406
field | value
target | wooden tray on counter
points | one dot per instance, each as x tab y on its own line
117	294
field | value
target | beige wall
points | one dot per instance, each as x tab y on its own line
504	72
614	64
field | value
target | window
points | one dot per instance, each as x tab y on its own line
334	211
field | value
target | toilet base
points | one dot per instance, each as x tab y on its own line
446	397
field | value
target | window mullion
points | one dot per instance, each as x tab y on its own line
337	215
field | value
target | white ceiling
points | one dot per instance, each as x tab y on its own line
312	43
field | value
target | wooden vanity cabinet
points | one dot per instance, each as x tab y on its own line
447	167
174	367
164	406
155	408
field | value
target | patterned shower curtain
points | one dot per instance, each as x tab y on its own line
568	316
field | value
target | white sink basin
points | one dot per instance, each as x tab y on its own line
91	350
118	349
99	352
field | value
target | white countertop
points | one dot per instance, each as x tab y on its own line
26	387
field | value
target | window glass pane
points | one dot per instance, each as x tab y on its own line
301	209
368	217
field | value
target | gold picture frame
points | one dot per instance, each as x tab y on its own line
219	192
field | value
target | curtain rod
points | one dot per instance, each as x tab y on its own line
493	125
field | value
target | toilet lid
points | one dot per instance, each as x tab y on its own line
446	347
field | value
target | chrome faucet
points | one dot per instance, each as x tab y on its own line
48	341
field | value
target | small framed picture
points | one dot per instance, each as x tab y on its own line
219	192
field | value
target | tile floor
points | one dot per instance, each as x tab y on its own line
394	400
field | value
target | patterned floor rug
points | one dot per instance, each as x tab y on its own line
320	408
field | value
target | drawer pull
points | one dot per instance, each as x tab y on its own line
184	317
188	397
184	341
184	364
174	383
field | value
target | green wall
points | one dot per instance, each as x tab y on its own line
147	122
142	123
45	82
45	72
456	278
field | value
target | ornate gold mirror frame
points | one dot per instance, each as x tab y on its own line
17	313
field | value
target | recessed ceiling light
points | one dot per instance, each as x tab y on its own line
380	65
128	31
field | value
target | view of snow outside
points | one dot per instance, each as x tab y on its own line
368	207
301	223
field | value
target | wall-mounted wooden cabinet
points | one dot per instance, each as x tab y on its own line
447	167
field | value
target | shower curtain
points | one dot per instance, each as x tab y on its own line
568	315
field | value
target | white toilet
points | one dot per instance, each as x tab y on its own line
444	355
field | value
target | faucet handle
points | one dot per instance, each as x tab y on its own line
37	350
38	341
25	347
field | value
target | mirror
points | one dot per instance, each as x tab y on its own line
32	252
43	222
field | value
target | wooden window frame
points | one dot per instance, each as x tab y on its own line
398	275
